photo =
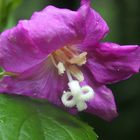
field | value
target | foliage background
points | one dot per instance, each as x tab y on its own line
123	18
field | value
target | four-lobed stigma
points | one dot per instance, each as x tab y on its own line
77	96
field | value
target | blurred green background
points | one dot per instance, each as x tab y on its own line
123	18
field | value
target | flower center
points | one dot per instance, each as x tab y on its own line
69	60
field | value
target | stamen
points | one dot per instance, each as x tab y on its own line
61	68
79	59
67	58
69	76
60	55
76	72
79	95
53	60
69	52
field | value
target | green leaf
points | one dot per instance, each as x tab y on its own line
24	119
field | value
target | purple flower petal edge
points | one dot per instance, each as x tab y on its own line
110	62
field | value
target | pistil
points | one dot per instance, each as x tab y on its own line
66	60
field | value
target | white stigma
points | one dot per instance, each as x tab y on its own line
77	96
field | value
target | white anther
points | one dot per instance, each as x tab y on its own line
61	68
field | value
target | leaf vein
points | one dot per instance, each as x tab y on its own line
68	132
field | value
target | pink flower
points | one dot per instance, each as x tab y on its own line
59	49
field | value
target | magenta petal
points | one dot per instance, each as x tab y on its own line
41	81
85	2
96	29
111	63
17	50
53	28
103	104
32	40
